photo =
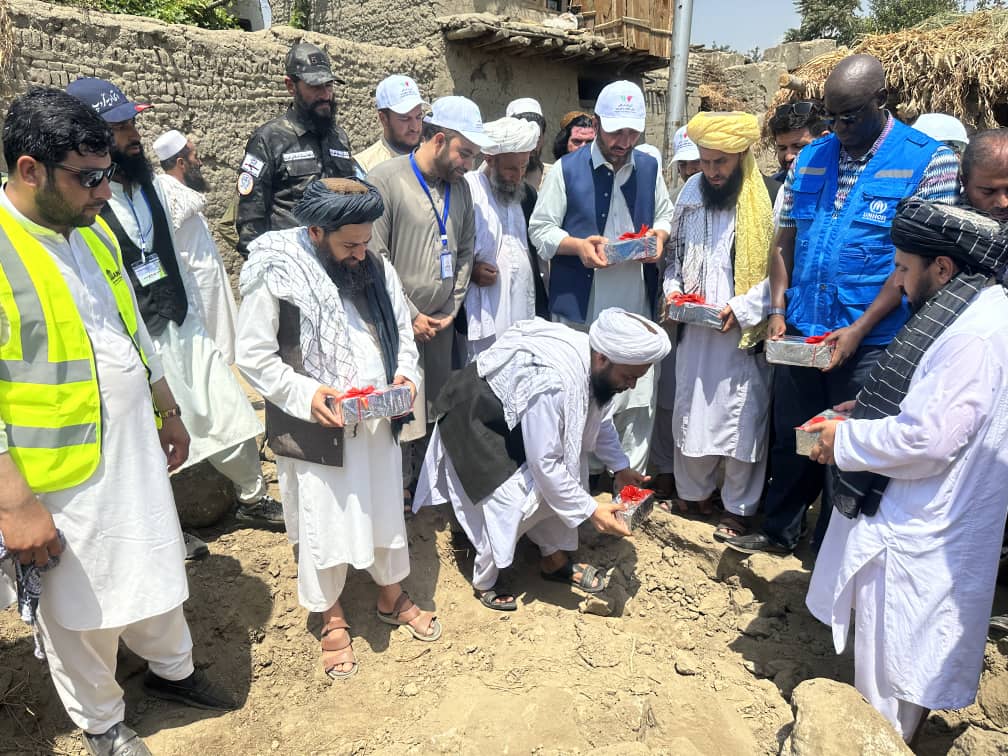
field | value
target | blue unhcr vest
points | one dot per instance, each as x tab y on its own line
570	281
841	261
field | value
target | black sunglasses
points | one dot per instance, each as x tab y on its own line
849	118
800	108
89	178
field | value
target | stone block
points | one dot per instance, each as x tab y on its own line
754	83
974	741
787	54
814	48
832	719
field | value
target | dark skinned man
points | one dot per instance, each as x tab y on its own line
831	267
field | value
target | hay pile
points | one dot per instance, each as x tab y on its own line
948	64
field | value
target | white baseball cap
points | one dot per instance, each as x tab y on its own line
398	93
462	115
169	144
620	105
683	149
942	128
523	105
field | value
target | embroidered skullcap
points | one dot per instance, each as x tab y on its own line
732	132
333	203
573	116
511	135
628	339
931	229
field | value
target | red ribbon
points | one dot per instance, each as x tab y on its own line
632	494
817	339
360	395
631	235
680	299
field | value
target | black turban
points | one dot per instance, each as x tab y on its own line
931	229
321	206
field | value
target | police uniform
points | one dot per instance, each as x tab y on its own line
283	156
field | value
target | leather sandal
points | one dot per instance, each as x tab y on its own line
333	655
401	616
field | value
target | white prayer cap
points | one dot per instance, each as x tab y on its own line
511	135
169	144
523	105
628	339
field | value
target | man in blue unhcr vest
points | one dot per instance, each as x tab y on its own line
831	271
592	196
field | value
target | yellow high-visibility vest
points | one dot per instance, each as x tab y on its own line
49	398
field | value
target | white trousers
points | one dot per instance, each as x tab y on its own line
83	663
663	445
869	649
697	477
634	429
319	589
241	465
544	529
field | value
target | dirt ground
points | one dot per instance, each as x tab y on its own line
691	650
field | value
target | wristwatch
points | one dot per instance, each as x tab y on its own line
776	311
170	412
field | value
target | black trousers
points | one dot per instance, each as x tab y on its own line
801	393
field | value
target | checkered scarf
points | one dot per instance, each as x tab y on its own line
978	244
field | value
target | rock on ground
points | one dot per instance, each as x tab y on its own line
832	719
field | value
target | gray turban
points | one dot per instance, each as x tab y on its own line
628	339
932	229
321	206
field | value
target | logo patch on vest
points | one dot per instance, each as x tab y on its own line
252	164
339	154
876	211
290	157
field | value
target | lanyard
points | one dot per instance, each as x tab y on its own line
140	231
442	220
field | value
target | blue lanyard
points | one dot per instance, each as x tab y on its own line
442	220
143	234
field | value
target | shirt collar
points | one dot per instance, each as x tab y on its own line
599	160
875	147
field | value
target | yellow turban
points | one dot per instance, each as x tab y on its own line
728	132
735	133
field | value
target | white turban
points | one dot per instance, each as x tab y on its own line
628	339
511	135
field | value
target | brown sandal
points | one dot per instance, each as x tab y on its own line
402	617
333	655
685	508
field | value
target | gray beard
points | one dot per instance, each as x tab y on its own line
505	194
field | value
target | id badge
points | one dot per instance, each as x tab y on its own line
447	268
149	272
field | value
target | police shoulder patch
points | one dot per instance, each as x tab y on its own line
245	183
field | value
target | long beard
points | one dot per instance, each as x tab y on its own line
602	388
192	177
350	279
505	192
722	197
134	168
316	121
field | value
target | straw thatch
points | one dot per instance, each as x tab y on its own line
949	64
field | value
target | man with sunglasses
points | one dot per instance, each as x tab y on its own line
89	429
222	423
831	273
793	126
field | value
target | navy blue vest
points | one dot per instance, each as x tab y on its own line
842	259
570	282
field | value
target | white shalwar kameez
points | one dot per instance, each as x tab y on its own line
221	422
122	574
542	498
616	286
502	241
920	573
349	516
722	393
197	250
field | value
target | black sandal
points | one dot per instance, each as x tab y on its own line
489	599
586	583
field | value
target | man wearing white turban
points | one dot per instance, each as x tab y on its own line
503	278
514	433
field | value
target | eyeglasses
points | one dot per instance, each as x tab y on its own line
89	178
847	119
800	108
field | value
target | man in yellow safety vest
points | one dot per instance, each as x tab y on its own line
86	423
